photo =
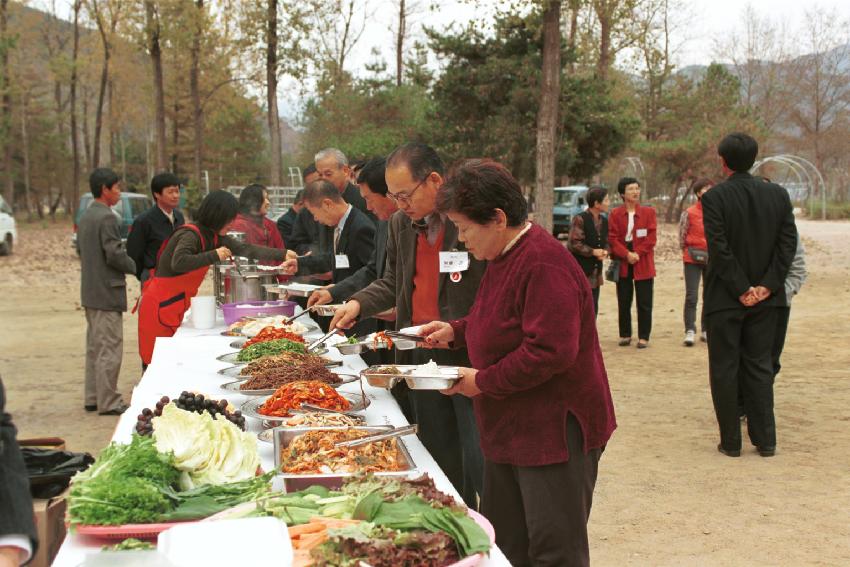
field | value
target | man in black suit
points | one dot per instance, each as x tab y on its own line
332	166
18	539
154	226
752	237
286	221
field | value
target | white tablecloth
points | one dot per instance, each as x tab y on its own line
187	361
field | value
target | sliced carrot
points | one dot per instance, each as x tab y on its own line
312	527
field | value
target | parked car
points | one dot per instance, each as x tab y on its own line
8	229
569	202
127	209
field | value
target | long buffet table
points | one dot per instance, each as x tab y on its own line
187	361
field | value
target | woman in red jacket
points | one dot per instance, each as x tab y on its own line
259	230
631	236
695	256
538	386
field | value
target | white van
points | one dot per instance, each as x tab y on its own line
8	230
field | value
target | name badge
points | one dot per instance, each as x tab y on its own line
454	262
341	261
640	233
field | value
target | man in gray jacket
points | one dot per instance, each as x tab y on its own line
103	289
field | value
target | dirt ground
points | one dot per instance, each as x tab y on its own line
665	496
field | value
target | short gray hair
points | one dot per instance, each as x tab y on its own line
340	158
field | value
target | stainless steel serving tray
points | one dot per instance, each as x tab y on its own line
359	347
239	343
234	371
283	436
446	378
231	357
359	402
234	386
295	290
267	435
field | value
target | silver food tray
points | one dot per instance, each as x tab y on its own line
357	348
295	290
283	436
231	357
234	371
267	435
446	378
358	401
239	343
326	310
234	386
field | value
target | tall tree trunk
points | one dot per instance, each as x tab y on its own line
104	79
6	118
275	177
604	63
86	135
194	86
113	151
547	115
175	132
153	30
75	145
399	42
575	6
25	148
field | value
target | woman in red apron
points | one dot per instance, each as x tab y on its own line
183	263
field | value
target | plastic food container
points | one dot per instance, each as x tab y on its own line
235	311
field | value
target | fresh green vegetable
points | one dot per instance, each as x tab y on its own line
206	450
130	544
209	499
268	348
352	340
126	484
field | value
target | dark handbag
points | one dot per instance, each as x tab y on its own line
698	255
612	273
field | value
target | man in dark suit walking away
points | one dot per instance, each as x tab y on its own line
103	290
752	237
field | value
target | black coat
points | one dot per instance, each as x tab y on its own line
15	501
285	226
373	270
752	239
306	232
149	231
357	241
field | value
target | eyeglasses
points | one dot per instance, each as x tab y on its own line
406	197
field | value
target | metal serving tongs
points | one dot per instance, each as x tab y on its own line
289	320
238	269
320	409
320	341
395	432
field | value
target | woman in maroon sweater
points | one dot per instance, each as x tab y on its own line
538	385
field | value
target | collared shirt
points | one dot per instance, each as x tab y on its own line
516	238
19	541
340	226
169	215
431	225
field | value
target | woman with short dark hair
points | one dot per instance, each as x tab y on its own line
252	220
539	386
183	263
631	235
588	239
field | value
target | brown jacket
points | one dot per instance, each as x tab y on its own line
395	287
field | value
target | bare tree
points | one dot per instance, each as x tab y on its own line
547	115
106	30
194	86
339	25
154	30
6	118
276	162
75	144
405	10
56	45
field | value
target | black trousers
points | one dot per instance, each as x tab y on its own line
595	292
740	347
782	316
627	288
693	274
448	430
540	514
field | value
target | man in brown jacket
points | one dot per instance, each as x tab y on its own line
103	289
421	285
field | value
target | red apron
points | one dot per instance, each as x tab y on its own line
165	300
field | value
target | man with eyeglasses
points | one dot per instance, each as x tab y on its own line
428	276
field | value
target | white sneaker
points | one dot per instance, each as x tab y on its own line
703	336
689	338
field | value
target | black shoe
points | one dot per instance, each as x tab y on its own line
643	344
766	451
117	411
90	408
728	452
625	341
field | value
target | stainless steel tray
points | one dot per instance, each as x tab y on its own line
357	348
446	378
358	401
295	290
238	343
234	386
326	310
283	436
231	356
234	371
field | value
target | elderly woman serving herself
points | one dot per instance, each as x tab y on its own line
538	385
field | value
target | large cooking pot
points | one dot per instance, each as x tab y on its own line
233	287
